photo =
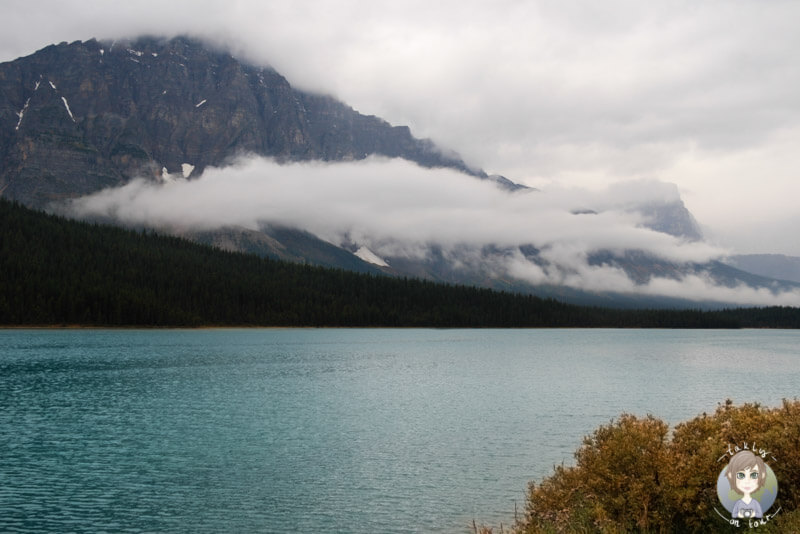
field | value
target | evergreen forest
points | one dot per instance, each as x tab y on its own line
56	271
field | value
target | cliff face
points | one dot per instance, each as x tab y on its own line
75	118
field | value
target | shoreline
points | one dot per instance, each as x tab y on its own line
273	327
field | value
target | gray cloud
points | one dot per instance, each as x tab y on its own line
395	208
567	93
378	199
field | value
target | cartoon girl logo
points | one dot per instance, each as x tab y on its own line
746	474
747	487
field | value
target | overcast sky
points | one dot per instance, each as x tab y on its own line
554	94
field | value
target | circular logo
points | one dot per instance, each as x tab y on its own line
747	486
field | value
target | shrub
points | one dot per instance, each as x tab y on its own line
629	476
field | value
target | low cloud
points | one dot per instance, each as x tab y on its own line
396	209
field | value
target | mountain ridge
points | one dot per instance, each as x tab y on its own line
87	115
776	266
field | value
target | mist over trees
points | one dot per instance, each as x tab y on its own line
57	271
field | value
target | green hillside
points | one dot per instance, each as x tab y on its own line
56	271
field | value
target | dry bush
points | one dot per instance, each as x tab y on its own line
629	476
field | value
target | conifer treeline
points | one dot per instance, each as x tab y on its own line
55	271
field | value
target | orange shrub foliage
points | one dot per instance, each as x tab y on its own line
630	476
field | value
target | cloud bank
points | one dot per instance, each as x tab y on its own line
396	209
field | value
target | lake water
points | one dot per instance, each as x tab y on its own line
335	430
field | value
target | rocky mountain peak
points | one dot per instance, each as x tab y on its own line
78	117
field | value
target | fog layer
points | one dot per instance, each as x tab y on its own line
397	209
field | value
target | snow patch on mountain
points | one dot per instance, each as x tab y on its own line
22	112
66	105
370	257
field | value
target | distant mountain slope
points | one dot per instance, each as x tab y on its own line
75	118
286	244
775	266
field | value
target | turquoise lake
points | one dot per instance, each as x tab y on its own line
336	430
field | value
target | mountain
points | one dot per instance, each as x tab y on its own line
776	266
79	117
